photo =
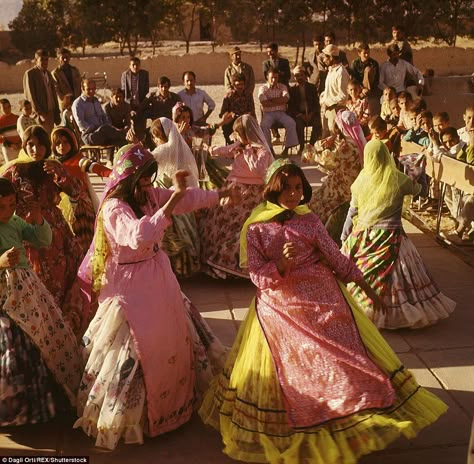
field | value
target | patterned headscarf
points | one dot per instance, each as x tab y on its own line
349	125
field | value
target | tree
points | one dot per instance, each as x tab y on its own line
182	15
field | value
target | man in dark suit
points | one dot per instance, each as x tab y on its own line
40	90
135	83
303	107
275	62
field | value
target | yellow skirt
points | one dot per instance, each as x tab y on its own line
245	404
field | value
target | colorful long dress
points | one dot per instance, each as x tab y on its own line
38	351
220	226
149	353
58	264
336	188
309	378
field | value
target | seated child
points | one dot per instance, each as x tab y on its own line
388	95
390	137
405	102
422	125
393	119
67	118
358	104
469	124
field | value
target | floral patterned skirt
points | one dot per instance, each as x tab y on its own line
394	269
220	230
246	404
112	396
38	352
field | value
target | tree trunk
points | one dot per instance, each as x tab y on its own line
303	39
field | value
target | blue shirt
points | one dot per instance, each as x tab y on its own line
89	115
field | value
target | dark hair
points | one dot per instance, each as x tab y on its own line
361	46
41	52
23	103
125	190
406	95
391	49
117	90
377	123
330	34
273	46
443	115
450	131
41	135
277	183
67	99
156	130
183	109
6	187
398	27
63	51
165	80
64	132
5	101
190	73
134	59
273	71
238	78
426	115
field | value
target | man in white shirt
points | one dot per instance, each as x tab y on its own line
196	98
274	97
334	96
395	71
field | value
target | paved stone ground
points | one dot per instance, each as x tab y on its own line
441	358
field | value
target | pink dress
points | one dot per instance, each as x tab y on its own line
322	365
146	362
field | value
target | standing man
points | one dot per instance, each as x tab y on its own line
398	38
237	66
10	141
334	96
196	98
66	76
92	120
274	98
135	83
304	107
278	64
39	88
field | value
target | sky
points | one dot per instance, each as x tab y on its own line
9	11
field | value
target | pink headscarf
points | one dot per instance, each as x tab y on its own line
349	125
128	160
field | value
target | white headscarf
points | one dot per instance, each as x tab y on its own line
175	154
253	133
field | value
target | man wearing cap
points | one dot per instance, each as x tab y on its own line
334	96
303	107
237	66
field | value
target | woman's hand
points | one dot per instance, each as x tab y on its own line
233	193
183	127
33	215
54	168
10	258
288	253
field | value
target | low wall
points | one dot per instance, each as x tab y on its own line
209	67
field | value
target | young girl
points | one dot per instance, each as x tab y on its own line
380	248
309	378
37	348
389	93
67	118
252	157
35	176
146	362
358	104
26	118
79	213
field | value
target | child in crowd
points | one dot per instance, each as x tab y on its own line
390	137
358	104
405	102
388	95
118	110
394	118
469	124
10	141
337	391
67	118
422	125
26	118
38	350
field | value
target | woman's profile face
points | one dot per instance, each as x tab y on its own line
35	149
62	145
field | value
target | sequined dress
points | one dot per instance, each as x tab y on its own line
309	378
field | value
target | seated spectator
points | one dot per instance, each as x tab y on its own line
67	118
365	70
440	122
303	107
274	97
238	67
357	103
379	130
236	103
92	120
118	110
464	132
196	98
160	104
26	118
9	138
394	119
395	72
406	103
388	94
422	125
